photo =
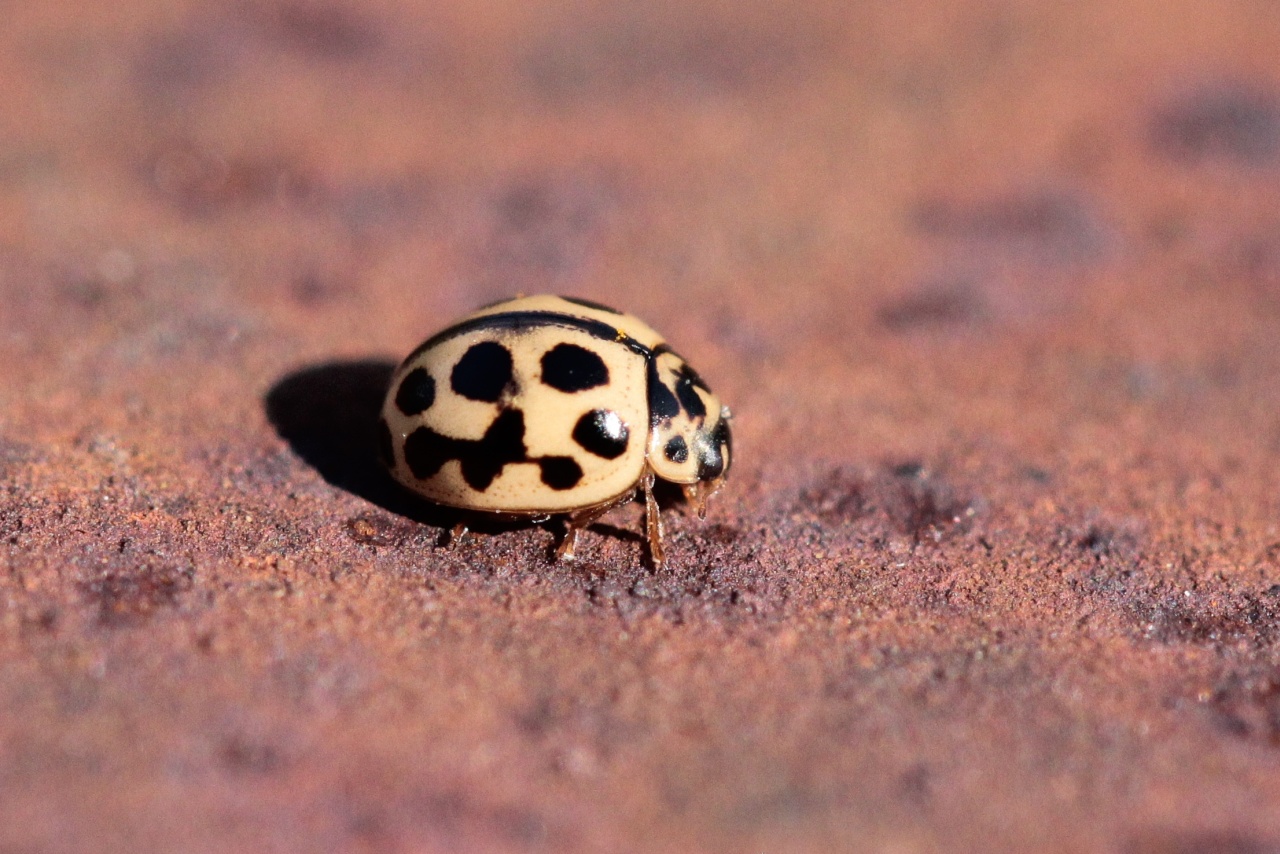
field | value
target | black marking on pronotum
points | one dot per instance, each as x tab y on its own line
571	368
416	393
560	473
690	400
483	373
602	432
426	451
516	321
663	405
676	450
586	303
711	465
722	435
686	370
664	348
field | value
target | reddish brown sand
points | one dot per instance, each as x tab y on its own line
993	289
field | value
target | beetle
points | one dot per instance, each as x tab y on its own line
545	405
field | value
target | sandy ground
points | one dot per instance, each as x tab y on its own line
993	289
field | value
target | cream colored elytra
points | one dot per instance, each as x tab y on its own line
543	405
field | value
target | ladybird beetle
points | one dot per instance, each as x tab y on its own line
547	405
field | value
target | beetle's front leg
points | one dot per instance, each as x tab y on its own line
653	523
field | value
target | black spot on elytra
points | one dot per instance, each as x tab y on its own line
426	451
571	368
416	393
586	303
503	443
602	433
1231	121
560	472
483	373
689	398
677	450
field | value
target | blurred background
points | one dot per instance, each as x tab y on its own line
991	287
271	182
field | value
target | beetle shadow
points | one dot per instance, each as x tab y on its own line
328	414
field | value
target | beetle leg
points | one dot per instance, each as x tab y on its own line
458	535
569	544
581	519
697	494
653	523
